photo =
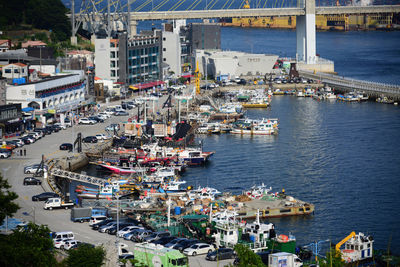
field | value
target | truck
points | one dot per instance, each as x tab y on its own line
152	255
284	259
57	203
85	214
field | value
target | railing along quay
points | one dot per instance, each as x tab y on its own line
347	84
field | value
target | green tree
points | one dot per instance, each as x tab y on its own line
31	246
85	256
247	258
7	206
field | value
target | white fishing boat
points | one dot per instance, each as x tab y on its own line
357	247
203	193
300	93
257	192
257	128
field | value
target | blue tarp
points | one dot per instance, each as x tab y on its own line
27	109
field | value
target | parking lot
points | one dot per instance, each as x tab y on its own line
59	220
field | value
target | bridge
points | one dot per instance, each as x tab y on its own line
304	11
73	176
348	84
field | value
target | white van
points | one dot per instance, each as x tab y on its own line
97	219
62	235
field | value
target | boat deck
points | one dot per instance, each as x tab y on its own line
275	207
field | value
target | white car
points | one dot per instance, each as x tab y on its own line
59	243
86	121
105	115
126	230
33	168
61	125
199	248
5	154
102	116
102	137
69	244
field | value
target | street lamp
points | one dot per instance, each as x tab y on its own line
316	247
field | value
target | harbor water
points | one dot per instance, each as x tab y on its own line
342	157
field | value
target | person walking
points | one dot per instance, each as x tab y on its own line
24	152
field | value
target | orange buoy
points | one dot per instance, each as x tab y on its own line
284	238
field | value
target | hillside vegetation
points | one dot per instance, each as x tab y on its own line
39	14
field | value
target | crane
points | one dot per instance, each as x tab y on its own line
197	78
338	245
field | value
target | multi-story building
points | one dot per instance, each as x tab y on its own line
134	61
171	52
57	96
5	45
205	36
15	71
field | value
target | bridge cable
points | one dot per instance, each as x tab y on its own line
191	5
160	5
183	1
230	4
242	4
283	1
275	3
143	5
216	1
225	4
265	3
177	4
196	4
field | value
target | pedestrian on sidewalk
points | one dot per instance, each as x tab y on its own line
24	152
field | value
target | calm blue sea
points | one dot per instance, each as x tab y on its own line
342	157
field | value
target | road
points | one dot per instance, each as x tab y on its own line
59	220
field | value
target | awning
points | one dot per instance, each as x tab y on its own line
133	87
147	85
187	76
27	109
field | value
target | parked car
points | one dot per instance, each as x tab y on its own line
66	146
156	235
32	181
67	122
102	137
34	168
97	225
97	219
104	114
59	242
113	126
89	139
174	242
53	128
131	234
86	121
105	228
96	118
127	229
221	254
197	249
19	142
185	244
62	126
5	153
140	235
11	145
121	113
80	244
163	240
45	131
113	230
44	196
69	244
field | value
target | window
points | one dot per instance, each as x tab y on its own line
16	70
112	54
164	39
8	71
164	59
164	49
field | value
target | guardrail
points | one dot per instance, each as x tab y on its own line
78	177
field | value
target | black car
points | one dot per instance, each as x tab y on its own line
44	196
186	244
96	226
221	254
81	244
163	240
26	141
66	146
89	139
32	181
52	129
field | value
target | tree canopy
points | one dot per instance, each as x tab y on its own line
86	256
7	206
31	246
41	14
247	258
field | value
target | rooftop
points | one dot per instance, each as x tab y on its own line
33	43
